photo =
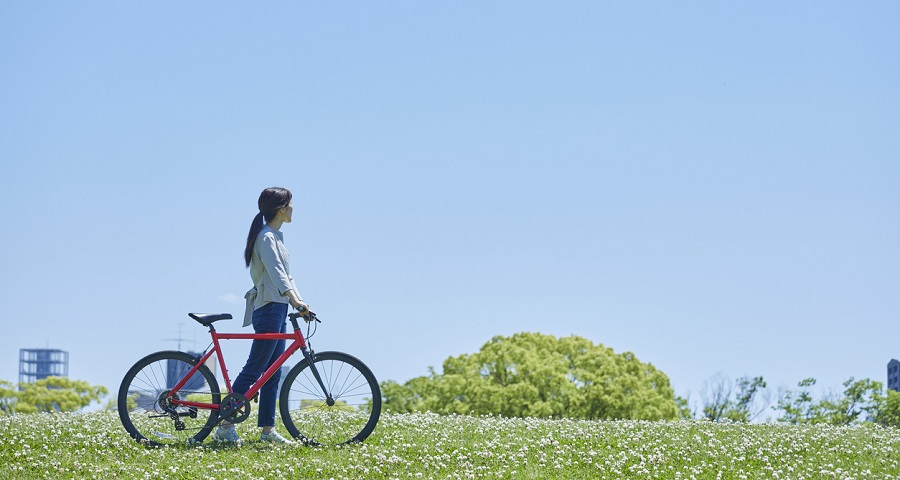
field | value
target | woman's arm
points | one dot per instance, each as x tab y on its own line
277	271
297	302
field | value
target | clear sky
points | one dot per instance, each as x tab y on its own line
712	186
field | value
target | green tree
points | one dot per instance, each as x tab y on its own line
407	398
7	398
861	400
739	401
748	390
684	408
859	397
535	375
57	394
889	411
799	407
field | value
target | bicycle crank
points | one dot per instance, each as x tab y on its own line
234	407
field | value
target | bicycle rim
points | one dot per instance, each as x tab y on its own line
310	417
146	415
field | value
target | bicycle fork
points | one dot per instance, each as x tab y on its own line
308	355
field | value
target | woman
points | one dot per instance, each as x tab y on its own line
267	307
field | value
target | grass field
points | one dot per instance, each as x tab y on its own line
421	446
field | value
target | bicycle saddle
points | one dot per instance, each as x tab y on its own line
206	319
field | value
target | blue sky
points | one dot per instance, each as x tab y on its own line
714	187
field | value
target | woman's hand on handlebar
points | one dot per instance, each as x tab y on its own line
307	315
297	302
302	308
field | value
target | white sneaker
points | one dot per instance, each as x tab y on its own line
274	437
227	435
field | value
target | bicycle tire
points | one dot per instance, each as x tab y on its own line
140	409
352	416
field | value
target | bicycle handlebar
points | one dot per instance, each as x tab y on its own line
307	317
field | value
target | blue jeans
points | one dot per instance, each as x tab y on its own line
269	318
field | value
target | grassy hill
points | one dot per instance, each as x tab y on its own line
94	445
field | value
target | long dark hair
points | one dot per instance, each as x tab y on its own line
270	201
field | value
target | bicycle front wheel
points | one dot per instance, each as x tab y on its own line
147	413
347	413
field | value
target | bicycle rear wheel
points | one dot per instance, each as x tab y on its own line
146	413
351	413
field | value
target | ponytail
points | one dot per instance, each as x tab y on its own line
255	228
270	201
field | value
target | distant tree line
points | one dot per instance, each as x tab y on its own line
51	394
535	375
746	398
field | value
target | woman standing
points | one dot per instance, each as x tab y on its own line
267	307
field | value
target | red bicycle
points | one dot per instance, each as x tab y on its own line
171	397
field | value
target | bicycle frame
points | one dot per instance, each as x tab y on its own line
299	343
